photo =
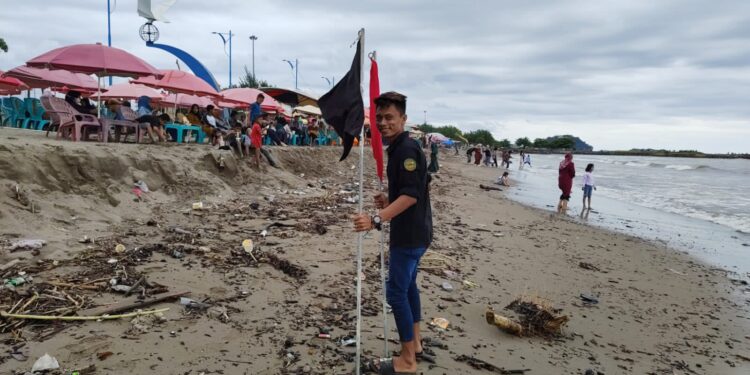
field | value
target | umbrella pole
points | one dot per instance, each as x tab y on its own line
98	96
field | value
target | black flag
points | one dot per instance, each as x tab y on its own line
343	108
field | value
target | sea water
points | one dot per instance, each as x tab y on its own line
698	205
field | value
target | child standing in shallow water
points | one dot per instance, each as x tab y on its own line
588	184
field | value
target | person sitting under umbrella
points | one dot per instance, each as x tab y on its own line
194	116
152	123
74	99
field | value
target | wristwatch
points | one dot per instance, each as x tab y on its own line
377	222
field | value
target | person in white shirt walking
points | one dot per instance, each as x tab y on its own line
588	184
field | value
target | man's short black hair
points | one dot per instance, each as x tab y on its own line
165	118
209	107
260	96
392	98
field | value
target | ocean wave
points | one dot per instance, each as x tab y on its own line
676	167
679	167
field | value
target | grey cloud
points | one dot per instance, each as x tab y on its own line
619	73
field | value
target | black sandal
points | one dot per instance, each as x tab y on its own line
384	366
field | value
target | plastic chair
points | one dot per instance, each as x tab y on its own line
8	112
35	119
19	112
177	132
70	123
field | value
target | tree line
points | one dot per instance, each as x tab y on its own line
484	137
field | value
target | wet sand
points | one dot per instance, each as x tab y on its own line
659	310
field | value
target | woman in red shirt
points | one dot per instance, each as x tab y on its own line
566	173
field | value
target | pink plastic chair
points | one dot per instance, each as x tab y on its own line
70	123
129	122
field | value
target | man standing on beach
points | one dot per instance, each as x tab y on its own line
255	108
408	208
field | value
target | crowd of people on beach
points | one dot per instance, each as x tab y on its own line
224	128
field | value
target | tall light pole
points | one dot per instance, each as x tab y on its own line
295	68
425	117
109	31
224	39
253	38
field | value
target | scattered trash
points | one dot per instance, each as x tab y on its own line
198	205
589	298
111	260
348	341
44	363
177	254
142	186
193	304
498	234
324	335
263	233
247	245
85	239
16	281
120	248
675	272
121	288
447	286
26	245
9	264
470	284
441	323
504	323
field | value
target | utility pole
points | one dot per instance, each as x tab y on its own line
253	38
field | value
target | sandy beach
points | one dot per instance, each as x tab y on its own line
659	311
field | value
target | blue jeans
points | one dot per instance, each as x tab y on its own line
401	289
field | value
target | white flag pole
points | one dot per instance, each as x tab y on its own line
361	192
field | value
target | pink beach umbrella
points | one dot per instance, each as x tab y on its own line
186	101
177	81
132	91
37	78
96	59
248	96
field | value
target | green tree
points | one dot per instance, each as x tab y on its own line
541	143
505	143
480	136
523	142
249	80
565	142
3	45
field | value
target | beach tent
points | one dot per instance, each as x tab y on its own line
308	110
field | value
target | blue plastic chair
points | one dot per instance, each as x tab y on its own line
293	140
6	112
178	131
36	111
322	138
266	140
18	112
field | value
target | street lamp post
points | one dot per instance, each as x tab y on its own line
425	117
295	68
331	81
109	31
224	39
253	38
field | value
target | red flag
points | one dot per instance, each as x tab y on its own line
377	140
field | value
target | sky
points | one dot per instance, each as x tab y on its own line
619	74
